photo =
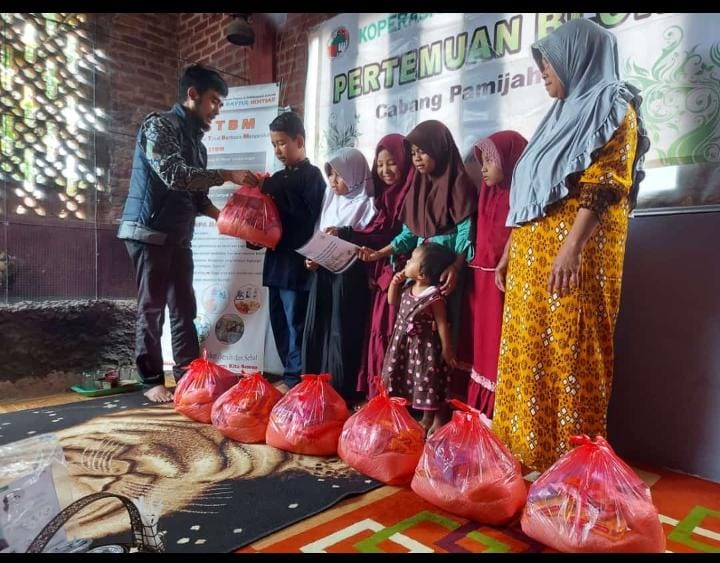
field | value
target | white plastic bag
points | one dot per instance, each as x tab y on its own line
34	486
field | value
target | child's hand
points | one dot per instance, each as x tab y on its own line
501	272
449	279
241	177
368	254
450	359
310	265
332	231
398	279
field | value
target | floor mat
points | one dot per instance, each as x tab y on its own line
217	495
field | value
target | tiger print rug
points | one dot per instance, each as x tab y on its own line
217	495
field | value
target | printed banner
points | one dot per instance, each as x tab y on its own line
374	74
232	304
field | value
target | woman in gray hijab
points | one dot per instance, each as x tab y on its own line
572	190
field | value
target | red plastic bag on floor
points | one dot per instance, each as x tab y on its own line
382	440
243	411
309	418
590	501
251	215
465	469
198	389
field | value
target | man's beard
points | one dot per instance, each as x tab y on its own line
199	123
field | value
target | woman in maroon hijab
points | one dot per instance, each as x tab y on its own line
439	207
482	313
392	174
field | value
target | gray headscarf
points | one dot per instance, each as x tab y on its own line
585	58
356	208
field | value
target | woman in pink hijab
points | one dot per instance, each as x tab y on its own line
482	313
392	174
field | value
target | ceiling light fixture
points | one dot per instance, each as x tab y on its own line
240	31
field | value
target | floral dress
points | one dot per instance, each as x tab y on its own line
414	367
556	353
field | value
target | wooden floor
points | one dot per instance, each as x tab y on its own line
15	405
339	509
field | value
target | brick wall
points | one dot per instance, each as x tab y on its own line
142	77
145	54
201	38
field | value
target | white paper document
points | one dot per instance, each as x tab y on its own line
330	252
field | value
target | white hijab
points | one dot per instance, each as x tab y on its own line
356	208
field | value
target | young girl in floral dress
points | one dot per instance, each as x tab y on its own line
420	355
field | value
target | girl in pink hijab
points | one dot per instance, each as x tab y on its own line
482	313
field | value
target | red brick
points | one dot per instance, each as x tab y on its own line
199	27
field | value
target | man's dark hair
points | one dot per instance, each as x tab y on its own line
204	79
434	258
290	123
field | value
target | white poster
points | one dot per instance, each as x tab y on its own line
374	74
232	304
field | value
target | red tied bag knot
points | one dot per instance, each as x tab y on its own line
581	440
316	377
458	404
466	411
383	391
380	386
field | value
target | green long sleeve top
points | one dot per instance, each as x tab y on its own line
458	240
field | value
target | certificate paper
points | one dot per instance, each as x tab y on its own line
330	252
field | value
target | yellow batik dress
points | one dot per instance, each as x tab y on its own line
556	354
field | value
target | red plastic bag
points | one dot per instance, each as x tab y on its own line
382	440
465	469
243	411
590	501
309	418
198	389
251	215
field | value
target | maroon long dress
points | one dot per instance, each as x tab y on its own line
482	313
384	227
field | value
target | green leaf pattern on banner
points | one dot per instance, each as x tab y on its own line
339	136
681	106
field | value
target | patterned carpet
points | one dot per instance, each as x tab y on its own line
217	494
402	522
